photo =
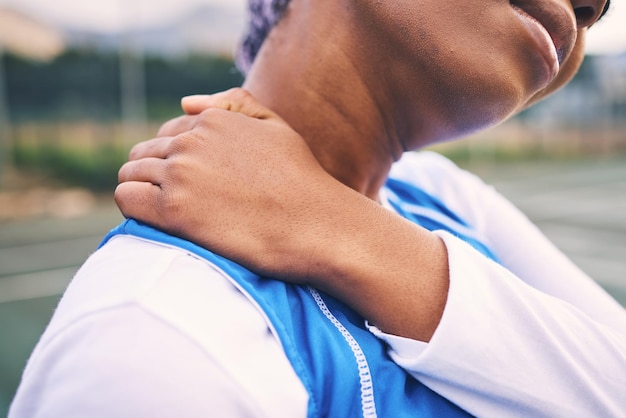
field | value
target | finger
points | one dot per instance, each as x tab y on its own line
192	105
234	100
152	148
177	125
138	200
148	170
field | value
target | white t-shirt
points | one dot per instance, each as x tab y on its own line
145	329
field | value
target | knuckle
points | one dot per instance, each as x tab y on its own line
238	93
180	144
136	151
177	174
128	171
126	199
239	99
166	127
120	196
209	119
170	208
208	113
172	167
175	126
121	173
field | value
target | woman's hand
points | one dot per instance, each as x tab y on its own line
236	179
232	176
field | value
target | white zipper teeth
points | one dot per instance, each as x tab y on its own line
367	388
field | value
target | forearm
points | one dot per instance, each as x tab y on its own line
391	271
501	342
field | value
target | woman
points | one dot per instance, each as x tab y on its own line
303	178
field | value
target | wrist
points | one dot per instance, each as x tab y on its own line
392	272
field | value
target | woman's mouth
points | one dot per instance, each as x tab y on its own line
543	39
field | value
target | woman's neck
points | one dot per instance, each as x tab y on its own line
317	88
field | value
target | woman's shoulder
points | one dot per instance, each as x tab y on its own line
435	174
130	297
426	157
460	190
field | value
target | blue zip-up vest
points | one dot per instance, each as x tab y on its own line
344	368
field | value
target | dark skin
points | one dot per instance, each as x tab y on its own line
294	196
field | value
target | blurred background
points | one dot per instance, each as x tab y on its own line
80	82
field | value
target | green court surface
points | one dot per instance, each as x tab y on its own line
21	324
38	258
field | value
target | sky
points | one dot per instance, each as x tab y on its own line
607	37
110	16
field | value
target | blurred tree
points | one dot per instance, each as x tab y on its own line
83	84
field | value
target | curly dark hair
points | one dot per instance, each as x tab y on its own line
262	17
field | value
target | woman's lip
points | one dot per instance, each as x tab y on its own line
543	38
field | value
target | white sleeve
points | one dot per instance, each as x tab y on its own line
503	348
535	338
145	330
519	244
525	251
122	363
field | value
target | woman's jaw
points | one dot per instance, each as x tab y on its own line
385	77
